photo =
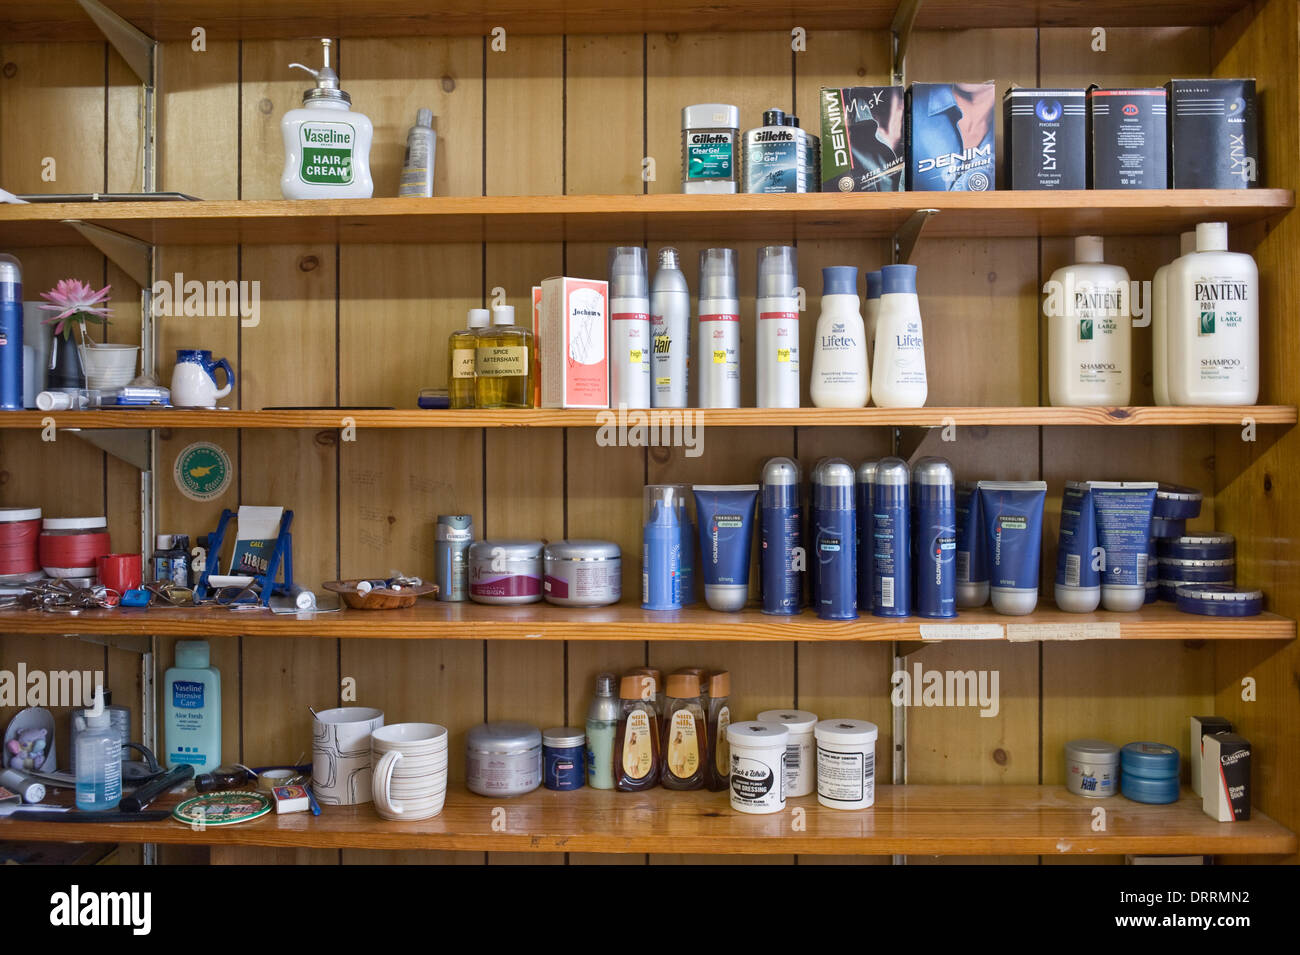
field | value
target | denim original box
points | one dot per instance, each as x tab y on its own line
862	139
951	132
1045	138
1213	134
1127	139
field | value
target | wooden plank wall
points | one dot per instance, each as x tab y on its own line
367	325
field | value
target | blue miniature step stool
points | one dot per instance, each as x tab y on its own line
267	585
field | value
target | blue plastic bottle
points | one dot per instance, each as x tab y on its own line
866	503
192	708
661	550
935	534
11	334
686	554
779	523
836	542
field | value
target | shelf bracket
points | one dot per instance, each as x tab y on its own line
907	235
901	34
133	256
132	445
121	641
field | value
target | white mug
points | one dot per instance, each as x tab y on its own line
194	379
340	770
410	770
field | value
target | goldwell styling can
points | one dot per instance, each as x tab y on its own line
836	542
779	524
935	533
866	504
891	578
451	551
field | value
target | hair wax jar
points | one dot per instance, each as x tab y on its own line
505	571
503	759
1091	767
583	573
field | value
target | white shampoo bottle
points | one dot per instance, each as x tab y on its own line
871	312
778	327
1160	322
326	144
1089	331
898	377
1213	322
629	328
839	364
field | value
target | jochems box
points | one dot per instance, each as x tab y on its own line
1045	139
951	128
1213	134
1127	139
862	139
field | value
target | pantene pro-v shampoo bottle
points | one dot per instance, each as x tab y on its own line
1089	331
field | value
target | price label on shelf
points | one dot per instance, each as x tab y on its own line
962	631
1029	632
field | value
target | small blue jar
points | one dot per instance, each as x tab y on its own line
563	751
1149	772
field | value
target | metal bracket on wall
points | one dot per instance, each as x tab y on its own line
137	259
901	30
118	641
132	445
907	234
143	55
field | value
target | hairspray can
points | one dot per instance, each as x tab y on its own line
836	542
629	328
719	311
451	555
661	549
891	579
935	533
670	332
777	305
866	503
782	582
11	334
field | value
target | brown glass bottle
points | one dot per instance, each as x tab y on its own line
719	718
684	749
636	745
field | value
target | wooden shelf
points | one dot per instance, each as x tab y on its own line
431	619
918	820
413	419
651	218
250	19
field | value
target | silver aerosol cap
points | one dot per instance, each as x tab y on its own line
934	471
867	472
780	471
627	272
778	271
893	472
835	491
11	271
718	273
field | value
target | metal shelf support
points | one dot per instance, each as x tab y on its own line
909	233
901	30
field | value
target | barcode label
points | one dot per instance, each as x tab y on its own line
887	591
869	765
1142	568
792	759
963	566
1072	569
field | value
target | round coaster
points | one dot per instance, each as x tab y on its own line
222	808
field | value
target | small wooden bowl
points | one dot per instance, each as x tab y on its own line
380	598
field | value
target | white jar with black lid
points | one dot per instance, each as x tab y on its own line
583	573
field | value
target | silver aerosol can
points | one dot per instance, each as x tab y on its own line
778	327
629	328
719	311
670	329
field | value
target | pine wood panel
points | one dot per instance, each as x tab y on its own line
954	820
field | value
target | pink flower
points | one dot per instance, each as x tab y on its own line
74	298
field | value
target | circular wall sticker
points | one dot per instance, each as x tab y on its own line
203	471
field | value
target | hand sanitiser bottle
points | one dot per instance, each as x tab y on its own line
98	760
719	311
898	368
839	365
1089	330
326	144
670	327
778	327
1213	321
629	328
1160	322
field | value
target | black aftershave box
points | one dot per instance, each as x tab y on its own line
1213	134
1127	136
1045	139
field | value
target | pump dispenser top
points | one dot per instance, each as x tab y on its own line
327	81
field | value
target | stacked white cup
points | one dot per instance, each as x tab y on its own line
410	770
